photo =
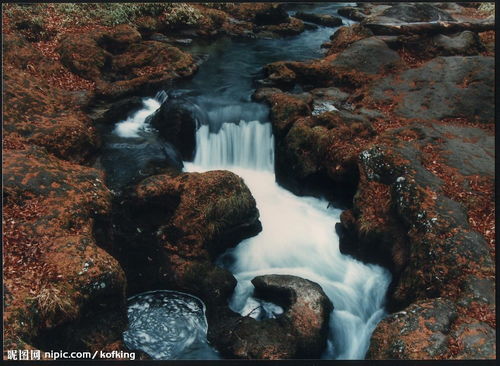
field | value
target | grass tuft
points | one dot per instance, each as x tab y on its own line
52	303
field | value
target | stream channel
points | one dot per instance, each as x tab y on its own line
298	236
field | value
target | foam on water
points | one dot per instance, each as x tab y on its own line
298	238
168	325
136	123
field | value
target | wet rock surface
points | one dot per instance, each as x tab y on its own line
306	307
410	13
128	163
465	43
300	332
177	121
275	14
325	20
370	56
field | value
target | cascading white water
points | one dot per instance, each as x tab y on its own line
245	145
298	238
133	125
298	235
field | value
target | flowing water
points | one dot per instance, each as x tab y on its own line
298	235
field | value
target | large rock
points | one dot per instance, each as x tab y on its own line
322	147
119	38
292	27
56	277
346	35
132	67
352	12
275	14
419	332
425	234
128	161
300	332
446	87
182	222
466	43
476	340
285	109
369	56
81	54
177	120
307	308
152	54
36	113
320	19
409	13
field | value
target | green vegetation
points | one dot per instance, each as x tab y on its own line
107	13
227	211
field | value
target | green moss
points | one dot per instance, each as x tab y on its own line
228	211
175	14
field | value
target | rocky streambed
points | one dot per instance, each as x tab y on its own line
391	123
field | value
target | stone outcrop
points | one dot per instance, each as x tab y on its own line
186	221
409	13
446	87
300	332
410	217
56	277
36	113
121	63
420	332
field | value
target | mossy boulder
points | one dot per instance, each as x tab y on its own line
55	273
300	332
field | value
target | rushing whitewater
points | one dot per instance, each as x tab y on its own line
298	235
298	238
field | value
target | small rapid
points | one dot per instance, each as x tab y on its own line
298	235
298	238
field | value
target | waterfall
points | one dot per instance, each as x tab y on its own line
298	238
246	145
136	123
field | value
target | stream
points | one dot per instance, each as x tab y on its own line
298	236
